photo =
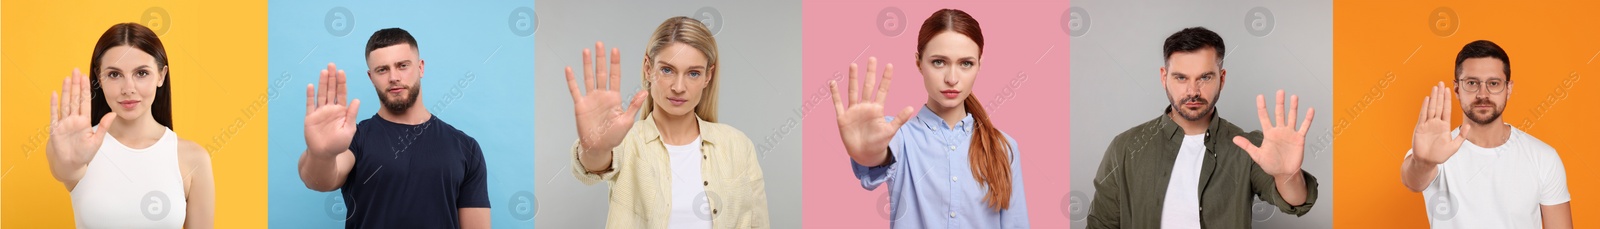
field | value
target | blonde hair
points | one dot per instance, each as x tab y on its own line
690	32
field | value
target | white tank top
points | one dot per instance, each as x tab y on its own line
131	188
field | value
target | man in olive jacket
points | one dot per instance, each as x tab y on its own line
1177	171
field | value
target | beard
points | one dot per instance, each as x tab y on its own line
1204	112
399	106
1484	119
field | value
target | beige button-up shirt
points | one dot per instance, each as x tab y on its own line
641	178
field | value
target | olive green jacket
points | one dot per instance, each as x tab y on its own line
1131	184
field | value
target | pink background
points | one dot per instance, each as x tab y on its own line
1023	82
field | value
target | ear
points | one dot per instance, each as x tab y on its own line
1163	76
1222	78
422	67
162	82
644	68
711	73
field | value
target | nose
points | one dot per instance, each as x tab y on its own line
950	77
677	84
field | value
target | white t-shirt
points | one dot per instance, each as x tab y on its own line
1181	209
1499	187
689	207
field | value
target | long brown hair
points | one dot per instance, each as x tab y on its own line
990	152
140	37
691	32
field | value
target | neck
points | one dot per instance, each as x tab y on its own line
1490	135
950	115
415	115
676	129
137	133
1191	127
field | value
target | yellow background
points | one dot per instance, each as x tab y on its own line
1552	47
218	56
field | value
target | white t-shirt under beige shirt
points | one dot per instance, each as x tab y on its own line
1500	187
687	187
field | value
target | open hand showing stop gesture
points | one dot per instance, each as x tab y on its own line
72	140
865	133
1282	145
330	121
602	122
1431	141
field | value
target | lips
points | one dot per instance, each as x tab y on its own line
128	104
676	101
950	93
397	89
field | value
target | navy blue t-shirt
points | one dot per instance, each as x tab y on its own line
413	176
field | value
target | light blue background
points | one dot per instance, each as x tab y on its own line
479	78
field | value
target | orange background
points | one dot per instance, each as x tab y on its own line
218	57
1385	58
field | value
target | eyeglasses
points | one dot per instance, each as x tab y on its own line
1495	86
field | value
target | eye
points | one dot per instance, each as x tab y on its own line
966	64
114	75
694	74
938	63
1180	77
666	70
1205	78
1494	83
402	66
141	73
1472	83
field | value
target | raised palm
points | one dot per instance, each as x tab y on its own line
602	122
70	132
330	123
861	123
1282	145
1432	141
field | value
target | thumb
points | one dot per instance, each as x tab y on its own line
905	114
105	124
1462	136
638	101
352	110
1246	145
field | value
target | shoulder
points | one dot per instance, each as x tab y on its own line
1143	129
727	133
191	153
1533	145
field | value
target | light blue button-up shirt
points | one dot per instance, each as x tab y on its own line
933	184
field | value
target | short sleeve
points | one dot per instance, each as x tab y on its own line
474	190
1552	178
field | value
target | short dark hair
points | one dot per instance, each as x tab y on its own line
1192	39
1480	49
389	37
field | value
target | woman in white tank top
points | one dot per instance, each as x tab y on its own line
128	169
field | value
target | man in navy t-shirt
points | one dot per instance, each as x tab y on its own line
402	168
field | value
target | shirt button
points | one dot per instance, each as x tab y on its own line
952	178
952	148
952	214
707	183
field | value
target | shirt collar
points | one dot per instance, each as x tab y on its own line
1174	132
932	121
653	135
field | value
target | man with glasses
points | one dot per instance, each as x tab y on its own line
1485	173
1179	170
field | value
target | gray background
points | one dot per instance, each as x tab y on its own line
1116	56
759	43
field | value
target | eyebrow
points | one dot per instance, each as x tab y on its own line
945	57
1174	73
120	69
696	67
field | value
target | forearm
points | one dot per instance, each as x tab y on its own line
474	217
1556	216
1416	174
1292	188
320	173
595	159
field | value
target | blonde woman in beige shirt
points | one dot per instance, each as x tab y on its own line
651	165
